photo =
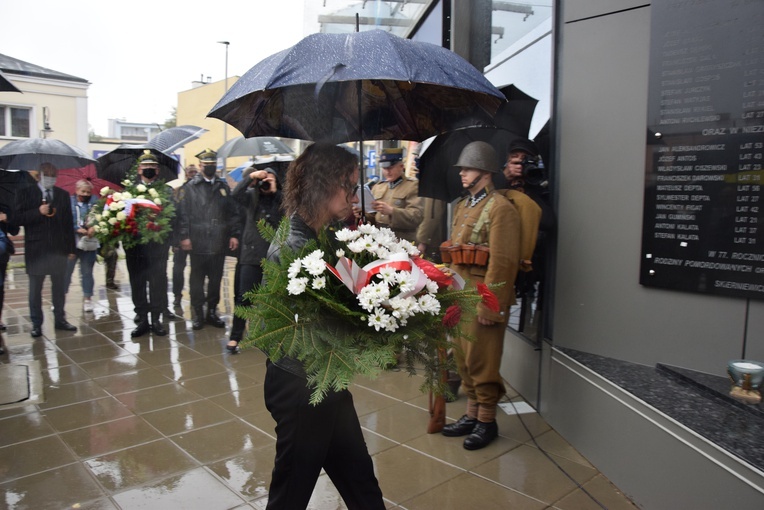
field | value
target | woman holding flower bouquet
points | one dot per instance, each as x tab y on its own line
319	190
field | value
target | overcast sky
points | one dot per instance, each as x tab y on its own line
139	54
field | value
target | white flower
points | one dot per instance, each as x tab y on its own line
294	268
403	308
387	274
98	217
105	191
346	235
429	304
121	216
406	281
112	221
432	287
141	188
126	182
367	228
357	246
106	213
319	283
116	197
373	295
297	286
340	253
158	201
152	192
314	263
378	319
115	206
126	195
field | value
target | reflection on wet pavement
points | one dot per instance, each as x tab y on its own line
177	422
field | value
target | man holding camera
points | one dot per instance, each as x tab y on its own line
259	195
209	226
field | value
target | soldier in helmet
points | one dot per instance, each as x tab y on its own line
483	221
397	205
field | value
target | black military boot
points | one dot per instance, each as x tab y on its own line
198	322
460	427
156	325
213	319
482	435
142	328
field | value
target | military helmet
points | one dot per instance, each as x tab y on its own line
479	155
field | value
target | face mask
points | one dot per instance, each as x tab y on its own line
47	181
209	171
149	172
83	198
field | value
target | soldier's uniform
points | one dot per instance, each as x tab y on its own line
403	195
484	221
481	360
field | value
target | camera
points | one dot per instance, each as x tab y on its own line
533	172
264	185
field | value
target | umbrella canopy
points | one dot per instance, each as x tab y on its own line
175	137
368	85
6	85
439	178
113	166
30	153
68	177
257	146
10	183
236	173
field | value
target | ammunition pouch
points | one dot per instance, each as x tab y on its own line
464	254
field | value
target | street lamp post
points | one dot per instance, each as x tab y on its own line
225	125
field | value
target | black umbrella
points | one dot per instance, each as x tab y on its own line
6	85
30	153
439	178
175	137
368	85
256	146
10	183
113	166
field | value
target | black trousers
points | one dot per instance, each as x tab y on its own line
151	272
4	258
58	290
210	267
249	276
309	438
178	268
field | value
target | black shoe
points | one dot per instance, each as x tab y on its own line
158	329
198	323
213	319
482	435
460	427
112	286
142	329
65	326
170	316
137	319
3	327
36	331
176	302
233	346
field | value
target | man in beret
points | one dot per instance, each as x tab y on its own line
209	227
396	204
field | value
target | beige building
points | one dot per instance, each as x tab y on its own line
52	104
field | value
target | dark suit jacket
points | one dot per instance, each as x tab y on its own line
48	241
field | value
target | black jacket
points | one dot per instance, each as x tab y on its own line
256	206
208	216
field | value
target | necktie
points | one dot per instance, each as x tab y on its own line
48	196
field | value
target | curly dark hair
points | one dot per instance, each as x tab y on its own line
314	177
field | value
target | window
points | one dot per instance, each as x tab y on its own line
15	121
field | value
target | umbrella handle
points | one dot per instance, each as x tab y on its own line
51	210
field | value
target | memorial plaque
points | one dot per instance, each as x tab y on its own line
702	227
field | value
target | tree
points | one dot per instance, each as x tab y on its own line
172	121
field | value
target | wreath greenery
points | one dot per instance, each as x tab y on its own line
349	303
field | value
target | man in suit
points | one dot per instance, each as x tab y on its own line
45	212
